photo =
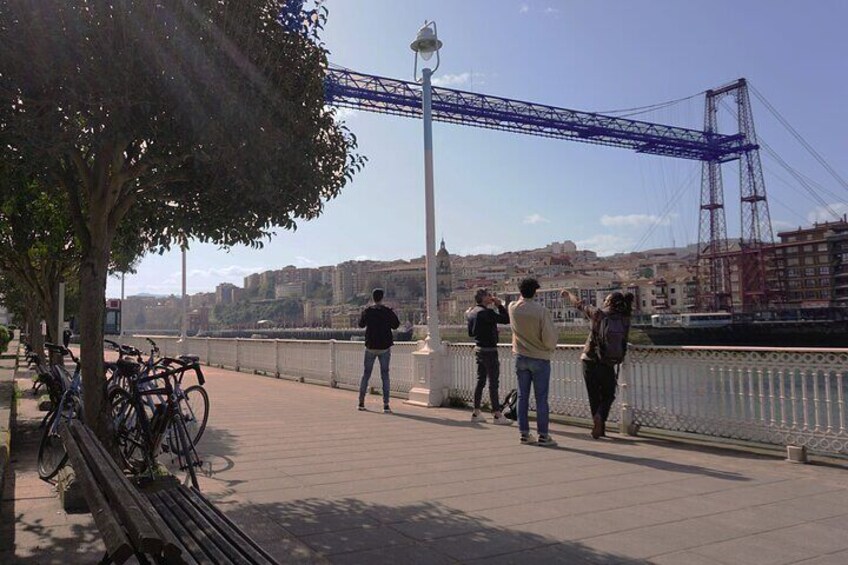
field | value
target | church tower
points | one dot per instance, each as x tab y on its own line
444	283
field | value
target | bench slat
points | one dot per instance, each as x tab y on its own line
120	492
114	538
202	534
192	550
232	533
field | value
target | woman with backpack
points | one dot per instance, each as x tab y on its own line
605	349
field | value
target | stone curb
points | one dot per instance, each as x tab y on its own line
7	406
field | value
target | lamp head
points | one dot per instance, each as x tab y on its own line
426	42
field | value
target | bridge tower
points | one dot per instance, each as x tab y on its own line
753	265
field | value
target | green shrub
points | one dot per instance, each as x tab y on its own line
5	337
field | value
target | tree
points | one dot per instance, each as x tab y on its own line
198	120
37	244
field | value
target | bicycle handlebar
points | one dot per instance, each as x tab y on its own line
61	350
181	367
123	349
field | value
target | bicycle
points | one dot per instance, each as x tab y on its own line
144	426
52	455
193	400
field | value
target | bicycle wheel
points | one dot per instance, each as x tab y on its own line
194	406
51	451
128	430
52	455
186	453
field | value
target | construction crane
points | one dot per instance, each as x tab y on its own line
350	89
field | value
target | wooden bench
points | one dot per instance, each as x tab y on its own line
173	525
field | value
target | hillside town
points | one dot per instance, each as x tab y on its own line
807	263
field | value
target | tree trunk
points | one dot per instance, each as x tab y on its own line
51	316
93	273
36	340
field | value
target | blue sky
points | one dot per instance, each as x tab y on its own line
498	191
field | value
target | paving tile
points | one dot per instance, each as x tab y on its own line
405	554
815	537
666	538
489	543
755	550
684	558
565	553
839	558
359	539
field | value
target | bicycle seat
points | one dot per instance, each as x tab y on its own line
127	366
190	358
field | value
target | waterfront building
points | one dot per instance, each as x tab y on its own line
811	259
227	293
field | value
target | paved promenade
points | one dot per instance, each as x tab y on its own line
314	480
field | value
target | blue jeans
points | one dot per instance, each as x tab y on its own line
538	373
370	357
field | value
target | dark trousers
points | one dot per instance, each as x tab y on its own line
488	367
601	382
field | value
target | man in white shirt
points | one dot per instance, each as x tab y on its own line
534	340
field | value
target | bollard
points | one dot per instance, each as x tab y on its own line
796	454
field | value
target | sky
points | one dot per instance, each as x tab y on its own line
498	191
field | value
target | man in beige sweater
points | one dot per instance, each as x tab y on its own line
534	339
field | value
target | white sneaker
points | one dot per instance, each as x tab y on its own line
546	441
478	418
502	421
528	439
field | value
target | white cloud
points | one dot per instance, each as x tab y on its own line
197	280
551	10
363	258
303	261
605	244
780	225
460	79
536	219
484	249
636	220
524	9
822	214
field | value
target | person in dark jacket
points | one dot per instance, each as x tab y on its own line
378	321
601	378
483	319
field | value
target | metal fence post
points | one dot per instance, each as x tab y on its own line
277	357
333	365
238	354
208	352
626	424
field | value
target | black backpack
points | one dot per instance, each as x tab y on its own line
612	339
509	407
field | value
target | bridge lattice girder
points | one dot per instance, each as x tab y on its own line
349	89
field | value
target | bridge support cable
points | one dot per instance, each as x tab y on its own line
816	155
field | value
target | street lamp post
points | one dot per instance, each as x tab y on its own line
425	44
427	389
184	323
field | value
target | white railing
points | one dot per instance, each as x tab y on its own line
787	396
777	396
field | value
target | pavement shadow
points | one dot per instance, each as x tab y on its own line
33	528
39	542
660	464
350	530
216	449
440	421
